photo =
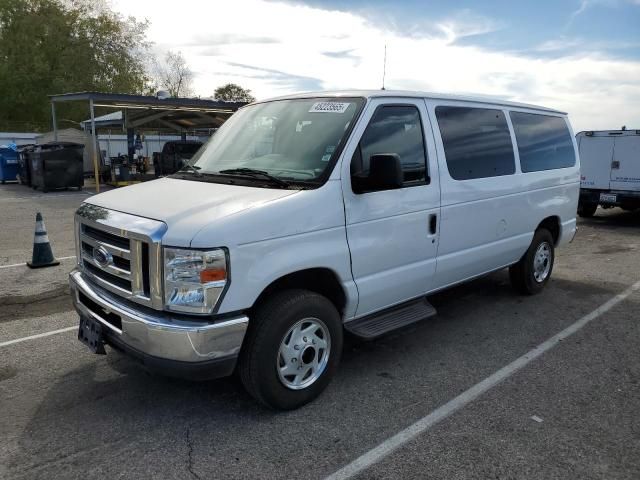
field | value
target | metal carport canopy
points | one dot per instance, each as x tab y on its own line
150	113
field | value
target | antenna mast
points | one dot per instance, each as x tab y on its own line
384	65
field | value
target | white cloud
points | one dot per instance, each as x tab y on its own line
279	48
584	4
465	23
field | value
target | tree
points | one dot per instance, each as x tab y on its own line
233	93
57	46
174	75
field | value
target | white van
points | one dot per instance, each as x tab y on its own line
610	170
312	214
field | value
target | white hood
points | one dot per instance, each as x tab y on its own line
186	206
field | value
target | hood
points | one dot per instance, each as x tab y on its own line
186	206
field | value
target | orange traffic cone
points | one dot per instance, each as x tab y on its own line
42	254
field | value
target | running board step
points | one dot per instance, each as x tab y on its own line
373	326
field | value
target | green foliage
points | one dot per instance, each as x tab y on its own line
233	93
58	46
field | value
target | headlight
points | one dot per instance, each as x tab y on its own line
193	279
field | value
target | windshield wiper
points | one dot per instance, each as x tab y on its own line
250	172
188	167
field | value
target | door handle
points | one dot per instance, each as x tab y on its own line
433	223
615	164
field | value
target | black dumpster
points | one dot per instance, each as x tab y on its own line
57	165
24	164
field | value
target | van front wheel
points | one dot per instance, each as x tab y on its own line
291	350
532	272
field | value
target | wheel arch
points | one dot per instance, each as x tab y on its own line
554	226
322	280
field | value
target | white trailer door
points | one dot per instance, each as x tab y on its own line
625	171
596	154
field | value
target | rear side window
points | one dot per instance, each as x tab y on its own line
477	142
544	142
394	129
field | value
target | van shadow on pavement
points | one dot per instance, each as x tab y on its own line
613	219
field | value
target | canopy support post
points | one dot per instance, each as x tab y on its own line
94	138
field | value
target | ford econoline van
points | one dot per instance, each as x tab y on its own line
310	215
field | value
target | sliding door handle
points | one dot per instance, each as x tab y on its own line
433	224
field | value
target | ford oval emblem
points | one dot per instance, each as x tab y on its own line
102	256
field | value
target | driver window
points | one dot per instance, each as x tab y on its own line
394	129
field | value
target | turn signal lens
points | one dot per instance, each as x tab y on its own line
212	275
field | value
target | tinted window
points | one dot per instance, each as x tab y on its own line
544	142
394	129
476	141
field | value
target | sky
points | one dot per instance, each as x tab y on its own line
579	56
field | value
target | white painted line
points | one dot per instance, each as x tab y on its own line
40	335
425	423
24	264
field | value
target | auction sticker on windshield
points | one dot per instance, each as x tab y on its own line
329	107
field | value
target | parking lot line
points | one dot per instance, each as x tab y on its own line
425	423
39	335
23	264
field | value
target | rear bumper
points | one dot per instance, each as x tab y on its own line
624	198
172	344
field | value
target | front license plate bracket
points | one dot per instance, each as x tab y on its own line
90	333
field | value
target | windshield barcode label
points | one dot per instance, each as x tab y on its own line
329	107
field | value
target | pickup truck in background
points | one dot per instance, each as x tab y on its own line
610	170
174	156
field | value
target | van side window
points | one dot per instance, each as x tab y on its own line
393	129
477	142
544	142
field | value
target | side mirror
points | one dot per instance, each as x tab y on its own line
385	173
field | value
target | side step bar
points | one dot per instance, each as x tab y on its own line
377	324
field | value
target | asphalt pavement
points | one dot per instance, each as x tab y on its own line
569	413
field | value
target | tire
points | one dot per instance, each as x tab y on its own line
268	333
529	276
587	210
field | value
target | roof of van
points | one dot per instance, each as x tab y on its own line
415	94
605	133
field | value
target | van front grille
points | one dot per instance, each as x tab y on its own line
121	253
106	237
112	279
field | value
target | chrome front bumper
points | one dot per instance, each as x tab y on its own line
156	334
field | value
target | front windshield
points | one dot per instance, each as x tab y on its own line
293	140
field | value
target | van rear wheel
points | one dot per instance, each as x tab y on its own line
292	349
532	272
